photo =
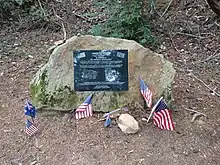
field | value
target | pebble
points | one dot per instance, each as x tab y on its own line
33	163
15	163
130	151
13	63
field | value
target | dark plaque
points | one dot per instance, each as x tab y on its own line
101	70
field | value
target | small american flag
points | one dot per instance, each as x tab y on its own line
85	109
162	117
30	129
146	93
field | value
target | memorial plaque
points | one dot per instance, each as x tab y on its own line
101	70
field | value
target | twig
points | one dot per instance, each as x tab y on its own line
195	116
63	27
48	108
172	43
140	106
207	59
37	146
190	35
98	121
42	8
217	23
90	20
64	32
168	6
152	7
206	85
82	17
192	110
213	55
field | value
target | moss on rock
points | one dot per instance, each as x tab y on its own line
61	97
38	90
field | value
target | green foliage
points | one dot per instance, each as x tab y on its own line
29	10
125	19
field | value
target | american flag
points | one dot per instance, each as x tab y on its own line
85	109
146	93
162	117
30	129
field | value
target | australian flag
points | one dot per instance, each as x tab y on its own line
29	109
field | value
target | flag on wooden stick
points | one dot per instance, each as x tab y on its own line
85	109
30	128
162	116
146	93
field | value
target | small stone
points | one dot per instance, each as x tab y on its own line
30	56
113	122
144	119
141	160
13	63
128	124
186	153
201	122
130	151
33	163
175	155
162	47
2	74
5	130
15	163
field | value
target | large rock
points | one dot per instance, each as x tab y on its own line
53	84
128	124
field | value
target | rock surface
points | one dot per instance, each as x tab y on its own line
128	124
53	84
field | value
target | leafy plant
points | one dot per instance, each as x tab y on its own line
17	9
125	19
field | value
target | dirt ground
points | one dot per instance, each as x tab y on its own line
190	35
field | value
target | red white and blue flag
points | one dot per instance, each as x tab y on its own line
162	117
146	93
85	109
29	109
30	128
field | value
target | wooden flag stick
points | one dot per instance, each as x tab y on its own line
153	109
106	114
109	113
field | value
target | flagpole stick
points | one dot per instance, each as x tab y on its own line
109	113
153	109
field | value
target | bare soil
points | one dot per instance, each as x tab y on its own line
190	35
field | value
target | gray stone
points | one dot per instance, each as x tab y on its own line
128	124
53	84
